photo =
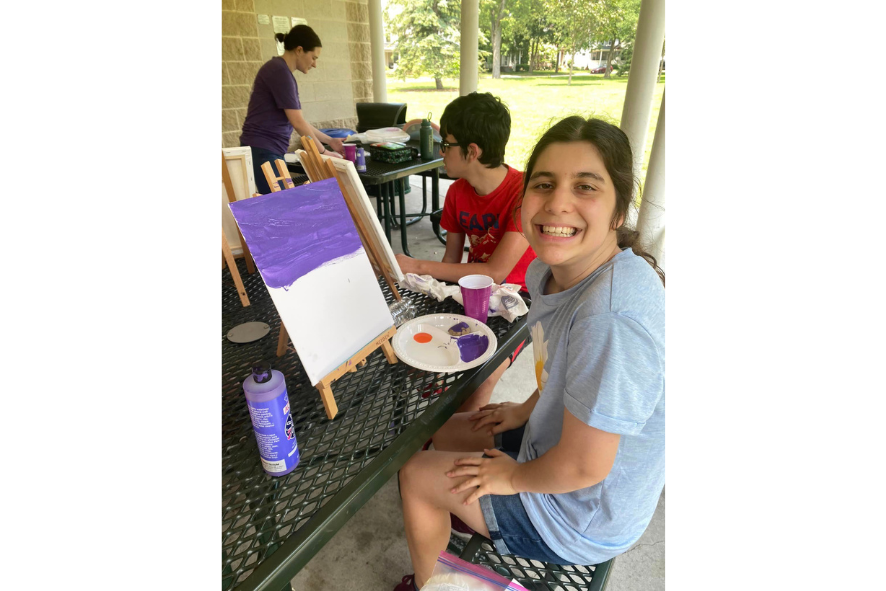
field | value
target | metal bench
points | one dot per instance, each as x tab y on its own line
532	574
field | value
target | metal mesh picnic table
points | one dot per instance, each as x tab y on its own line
272	526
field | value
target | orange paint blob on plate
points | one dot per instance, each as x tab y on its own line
422	337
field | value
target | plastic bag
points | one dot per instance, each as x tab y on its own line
454	574
384	134
505	300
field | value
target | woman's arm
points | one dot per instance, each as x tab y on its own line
306	129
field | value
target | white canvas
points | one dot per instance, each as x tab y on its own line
309	255
239	161
333	312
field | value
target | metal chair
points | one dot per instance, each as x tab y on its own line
533	574
377	115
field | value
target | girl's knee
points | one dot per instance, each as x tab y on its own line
407	473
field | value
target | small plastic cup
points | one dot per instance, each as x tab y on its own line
475	293
351	152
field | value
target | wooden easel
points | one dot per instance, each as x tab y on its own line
317	169
227	255
273	180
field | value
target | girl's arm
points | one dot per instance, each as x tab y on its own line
306	129
499	418
583	457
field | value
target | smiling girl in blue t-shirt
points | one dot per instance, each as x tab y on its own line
572	475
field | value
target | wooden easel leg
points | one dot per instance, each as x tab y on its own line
328	400
229	257
284	174
388	350
282	341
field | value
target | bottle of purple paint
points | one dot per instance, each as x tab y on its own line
268	404
361	160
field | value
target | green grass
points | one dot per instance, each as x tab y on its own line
536	102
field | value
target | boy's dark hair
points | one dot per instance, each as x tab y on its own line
299	36
480	119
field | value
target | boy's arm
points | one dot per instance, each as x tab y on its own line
455	247
500	264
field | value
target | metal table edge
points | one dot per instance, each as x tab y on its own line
387	177
278	570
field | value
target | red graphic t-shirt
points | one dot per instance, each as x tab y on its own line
485	219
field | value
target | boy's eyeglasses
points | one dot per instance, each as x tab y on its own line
445	146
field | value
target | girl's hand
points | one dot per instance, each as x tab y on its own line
498	418
491	476
332	154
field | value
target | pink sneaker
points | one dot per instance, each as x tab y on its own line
407	584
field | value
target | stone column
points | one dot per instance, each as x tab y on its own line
651	221
642	79
470	29
377	43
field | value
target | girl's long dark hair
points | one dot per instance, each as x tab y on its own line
615	150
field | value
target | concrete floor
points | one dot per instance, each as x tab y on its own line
370	552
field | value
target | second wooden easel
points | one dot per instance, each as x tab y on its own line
320	170
228	256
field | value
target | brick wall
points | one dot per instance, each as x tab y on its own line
328	93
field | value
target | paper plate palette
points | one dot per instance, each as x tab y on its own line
427	343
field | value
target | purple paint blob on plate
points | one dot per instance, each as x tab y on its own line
292	232
472	346
459	329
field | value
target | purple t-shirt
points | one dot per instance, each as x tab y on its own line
266	125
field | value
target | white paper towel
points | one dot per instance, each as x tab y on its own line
505	300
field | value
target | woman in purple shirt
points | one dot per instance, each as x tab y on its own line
274	108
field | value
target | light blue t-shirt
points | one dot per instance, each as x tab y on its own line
600	353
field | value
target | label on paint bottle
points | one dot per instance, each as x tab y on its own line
274	433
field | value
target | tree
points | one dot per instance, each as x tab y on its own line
531	28
574	23
615	21
495	11
428	36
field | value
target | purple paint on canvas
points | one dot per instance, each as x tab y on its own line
472	346
294	231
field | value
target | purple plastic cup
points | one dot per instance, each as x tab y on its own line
351	152
475	293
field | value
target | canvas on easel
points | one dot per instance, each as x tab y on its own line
348	177
313	262
238	163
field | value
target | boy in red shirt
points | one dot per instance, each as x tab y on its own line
480	205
